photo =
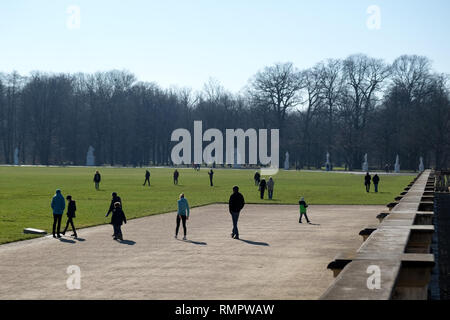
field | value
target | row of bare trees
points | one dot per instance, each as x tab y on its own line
345	107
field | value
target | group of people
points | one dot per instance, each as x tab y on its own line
264	185
367	181
58	205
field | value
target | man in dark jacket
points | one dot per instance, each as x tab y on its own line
257	178
97	179
115	198
58	205
117	218
262	187
235	205
71	208
176	174
367	180
376	181
211	174
147	177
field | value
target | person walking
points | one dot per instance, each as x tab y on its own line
211	174
97	179
257	178
147	177
262	187
71	208
303	207
115	198
235	205
270	185
183	215
367	180
376	181
176	174
117	219
58	205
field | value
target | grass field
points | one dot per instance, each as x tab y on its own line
26	192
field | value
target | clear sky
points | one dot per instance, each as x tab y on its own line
185	42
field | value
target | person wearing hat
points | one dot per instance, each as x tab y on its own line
71	208
303	207
58	205
235	205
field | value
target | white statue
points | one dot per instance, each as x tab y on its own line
16	156
421	165
237	159
90	158
286	161
328	164
397	164
365	166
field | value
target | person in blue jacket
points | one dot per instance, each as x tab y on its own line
183	215
58	205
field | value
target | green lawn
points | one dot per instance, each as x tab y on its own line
26	192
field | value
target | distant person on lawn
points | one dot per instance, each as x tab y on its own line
71	208
303	207
257	178
176	174
211	174
183	215
235	205
97	179
262	187
270	186
58	205
367	180
117	219
376	181
147	177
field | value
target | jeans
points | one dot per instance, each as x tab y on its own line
270	194
117	231
301	215
262	193
57	221
147	179
235	218
367	187
376	187
183	219
70	220
97	185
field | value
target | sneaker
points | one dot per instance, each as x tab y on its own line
74	235
54	236
115	238
176	237
232	235
184	238
59	236
63	233
236	238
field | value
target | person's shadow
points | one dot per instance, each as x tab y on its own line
198	243
255	243
66	240
80	239
128	242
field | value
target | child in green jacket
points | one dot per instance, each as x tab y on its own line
303	207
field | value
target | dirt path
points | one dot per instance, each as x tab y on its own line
278	258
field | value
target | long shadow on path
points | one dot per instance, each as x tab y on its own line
198	243
255	243
128	242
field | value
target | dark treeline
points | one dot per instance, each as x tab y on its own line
346	107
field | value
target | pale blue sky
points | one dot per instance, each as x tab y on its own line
185	42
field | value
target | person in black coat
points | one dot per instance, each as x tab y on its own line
97	179
71	208
115	198
147	177
367	180
257	178
176	174
235	205
262	187
211	174
376	181
117	218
